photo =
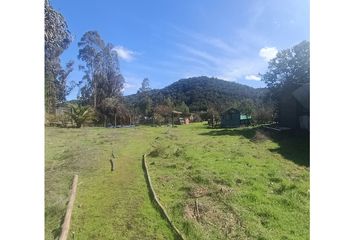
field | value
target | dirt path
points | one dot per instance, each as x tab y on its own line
116	205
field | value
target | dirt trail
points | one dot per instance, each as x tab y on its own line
116	205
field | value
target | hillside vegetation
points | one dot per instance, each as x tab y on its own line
199	93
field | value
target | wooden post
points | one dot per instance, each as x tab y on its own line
112	165
197	209
112	161
155	198
172	119
66	225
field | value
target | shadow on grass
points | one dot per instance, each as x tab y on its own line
57	231
294	145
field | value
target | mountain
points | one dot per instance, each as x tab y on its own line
200	92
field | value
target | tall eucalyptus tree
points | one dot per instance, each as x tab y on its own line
102	78
57	38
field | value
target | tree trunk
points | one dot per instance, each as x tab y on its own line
94	88
94	95
115	120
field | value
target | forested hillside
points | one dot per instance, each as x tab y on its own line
201	93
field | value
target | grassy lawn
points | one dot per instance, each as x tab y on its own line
108	205
249	185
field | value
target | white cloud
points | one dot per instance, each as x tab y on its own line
124	54
268	53
253	77
201	55
129	85
219	64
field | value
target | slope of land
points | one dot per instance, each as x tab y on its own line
247	184
108	205
199	92
233	183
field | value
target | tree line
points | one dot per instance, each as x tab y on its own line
101	101
101	86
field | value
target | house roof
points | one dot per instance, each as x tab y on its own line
230	110
176	112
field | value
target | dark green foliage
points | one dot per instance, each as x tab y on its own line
198	93
183	108
289	70
207	96
114	112
79	114
263	114
213	116
144	104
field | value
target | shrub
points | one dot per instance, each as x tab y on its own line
79	114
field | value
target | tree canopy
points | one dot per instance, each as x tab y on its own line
102	82
200	92
57	35
145	86
57	38
102	78
289	69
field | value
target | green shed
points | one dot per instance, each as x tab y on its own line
231	118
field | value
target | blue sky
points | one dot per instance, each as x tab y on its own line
167	40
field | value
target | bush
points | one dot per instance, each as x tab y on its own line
59	120
196	118
50	119
263	115
79	114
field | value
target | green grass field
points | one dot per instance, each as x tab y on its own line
248	184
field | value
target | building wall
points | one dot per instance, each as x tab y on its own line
294	109
230	119
287	112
